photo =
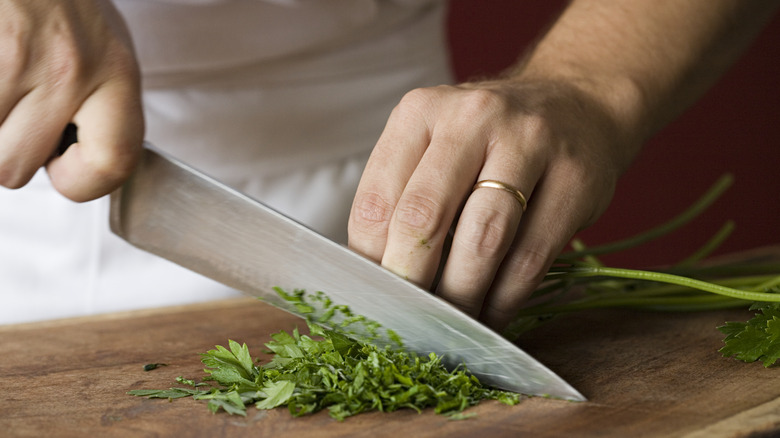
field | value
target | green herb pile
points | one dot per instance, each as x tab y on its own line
332	370
579	281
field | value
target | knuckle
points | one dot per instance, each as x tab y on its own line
539	127
122	61
370	211
537	135
14	52
418	216
415	96
482	98
413	104
68	64
531	261
419	102
60	48
481	103
418	97
485	235
65	63
528	267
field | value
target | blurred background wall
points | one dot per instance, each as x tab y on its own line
735	129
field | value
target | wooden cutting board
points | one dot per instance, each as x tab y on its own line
645	374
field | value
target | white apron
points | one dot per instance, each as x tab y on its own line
280	99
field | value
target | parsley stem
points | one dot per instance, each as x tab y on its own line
662	297
677	303
710	246
772	282
595	271
750	283
694	210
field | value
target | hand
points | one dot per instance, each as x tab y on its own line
68	61
554	142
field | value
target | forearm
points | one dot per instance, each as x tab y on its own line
647	61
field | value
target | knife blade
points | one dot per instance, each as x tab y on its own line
176	212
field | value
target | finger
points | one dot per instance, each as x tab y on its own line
560	206
486	228
431	200
15	83
30	132
111	132
392	162
12	90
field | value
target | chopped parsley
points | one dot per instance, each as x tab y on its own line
330	369
154	366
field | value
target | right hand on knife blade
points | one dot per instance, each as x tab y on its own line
63	62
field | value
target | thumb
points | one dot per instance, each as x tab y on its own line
110	138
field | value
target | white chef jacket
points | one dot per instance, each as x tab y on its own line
280	99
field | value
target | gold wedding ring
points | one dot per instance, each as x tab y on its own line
493	184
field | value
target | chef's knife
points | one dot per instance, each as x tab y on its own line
178	213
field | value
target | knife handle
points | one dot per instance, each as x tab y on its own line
69	136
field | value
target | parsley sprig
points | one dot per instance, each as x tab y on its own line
579	281
756	339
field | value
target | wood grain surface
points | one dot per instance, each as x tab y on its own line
645	374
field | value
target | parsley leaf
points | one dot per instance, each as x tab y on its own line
756	339
277	393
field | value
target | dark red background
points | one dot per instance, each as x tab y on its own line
735	128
